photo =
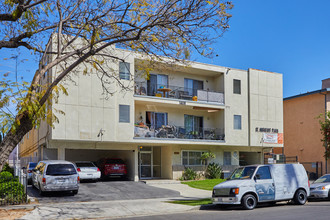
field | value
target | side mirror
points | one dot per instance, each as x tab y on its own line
256	177
23	168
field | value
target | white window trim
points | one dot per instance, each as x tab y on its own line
188	156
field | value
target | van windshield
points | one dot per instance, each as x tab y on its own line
243	173
60	169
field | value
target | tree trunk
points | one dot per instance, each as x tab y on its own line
11	139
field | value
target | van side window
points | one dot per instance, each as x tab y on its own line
263	173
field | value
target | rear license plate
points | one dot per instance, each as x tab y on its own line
116	168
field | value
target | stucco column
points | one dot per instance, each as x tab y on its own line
61	153
136	165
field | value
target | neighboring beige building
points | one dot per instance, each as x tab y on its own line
302	129
166	122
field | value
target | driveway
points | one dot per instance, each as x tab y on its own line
106	191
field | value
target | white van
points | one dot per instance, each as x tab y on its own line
252	184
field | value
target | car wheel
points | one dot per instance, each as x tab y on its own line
249	202
300	197
74	192
329	195
41	193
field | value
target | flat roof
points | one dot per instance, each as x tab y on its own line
307	93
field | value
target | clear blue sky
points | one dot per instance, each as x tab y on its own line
291	37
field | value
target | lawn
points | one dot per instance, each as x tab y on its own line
192	202
204	184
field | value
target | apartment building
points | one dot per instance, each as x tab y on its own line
302	129
167	119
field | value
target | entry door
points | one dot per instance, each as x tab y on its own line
145	165
265	187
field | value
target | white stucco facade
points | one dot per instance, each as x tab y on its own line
167	129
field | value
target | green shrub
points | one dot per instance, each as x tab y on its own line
12	192
189	174
7	168
213	171
5	176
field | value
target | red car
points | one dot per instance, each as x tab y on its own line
111	167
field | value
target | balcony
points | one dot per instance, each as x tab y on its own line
178	132
180	93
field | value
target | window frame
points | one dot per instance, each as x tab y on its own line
128	116
127	74
188	151
237	90
226	157
240	127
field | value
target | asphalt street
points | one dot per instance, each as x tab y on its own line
105	191
316	210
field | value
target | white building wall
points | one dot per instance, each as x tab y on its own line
87	110
266	104
236	104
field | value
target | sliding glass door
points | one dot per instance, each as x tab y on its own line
155	82
156	119
193	126
191	86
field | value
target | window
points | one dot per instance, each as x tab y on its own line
237	86
193	126
156	120
263	173
155	82
237	122
191	86
124	70
60	169
226	158
192	157
124	113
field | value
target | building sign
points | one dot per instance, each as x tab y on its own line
268	130
270	160
270	138
280	138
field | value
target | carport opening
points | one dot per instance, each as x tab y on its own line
94	155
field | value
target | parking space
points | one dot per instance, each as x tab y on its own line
94	155
106	191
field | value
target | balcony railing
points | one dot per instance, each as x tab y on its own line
178	132
176	92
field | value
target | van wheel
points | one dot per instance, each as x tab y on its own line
300	197
249	202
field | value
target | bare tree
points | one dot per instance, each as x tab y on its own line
84	30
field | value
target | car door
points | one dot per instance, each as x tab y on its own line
265	186
35	174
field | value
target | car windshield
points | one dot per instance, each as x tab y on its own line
85	164
243	173
323	179
114	161
60	169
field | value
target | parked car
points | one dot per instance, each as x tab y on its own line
321	187
29	169
254	184
55	175
112	167
87	170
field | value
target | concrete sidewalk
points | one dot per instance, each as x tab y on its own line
119	208
106	209
185	191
